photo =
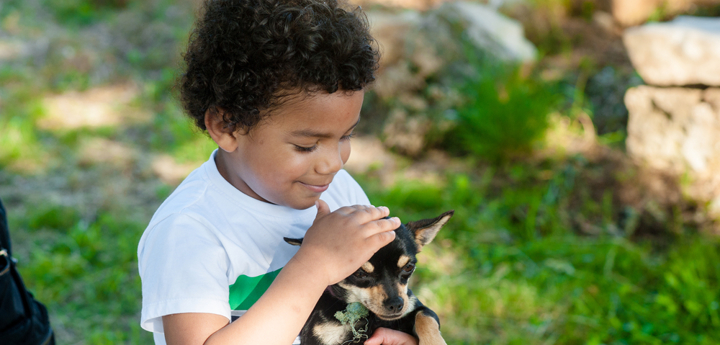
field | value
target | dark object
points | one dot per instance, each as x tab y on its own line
380	285
23	320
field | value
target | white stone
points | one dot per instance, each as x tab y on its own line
674	129
490	30
685	51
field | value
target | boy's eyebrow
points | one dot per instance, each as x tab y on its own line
314	134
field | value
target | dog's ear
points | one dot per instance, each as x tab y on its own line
426	229
293	241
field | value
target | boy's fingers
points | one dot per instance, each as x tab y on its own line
346	210
372	213
322	209
383	238
387	224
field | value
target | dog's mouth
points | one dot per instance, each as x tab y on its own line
389	317
384	315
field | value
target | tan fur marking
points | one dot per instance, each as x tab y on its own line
368	267
330	333
404	259
372	297
426	235
428	330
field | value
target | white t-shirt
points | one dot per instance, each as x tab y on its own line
210	248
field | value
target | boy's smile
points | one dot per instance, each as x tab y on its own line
292	155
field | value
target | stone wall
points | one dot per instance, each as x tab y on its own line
674	123
634	12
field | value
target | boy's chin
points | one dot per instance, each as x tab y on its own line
303	203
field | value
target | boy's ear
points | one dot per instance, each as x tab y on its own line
221	134
426	229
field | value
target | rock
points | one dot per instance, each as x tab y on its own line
677	131
406	134
658	126
415	47
490	30
634	12
685	51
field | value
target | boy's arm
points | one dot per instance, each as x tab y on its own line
276	318
194	328
333	248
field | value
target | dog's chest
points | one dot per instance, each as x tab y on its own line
332	333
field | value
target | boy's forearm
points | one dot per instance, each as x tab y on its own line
278	316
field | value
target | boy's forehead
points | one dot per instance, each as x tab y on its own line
314	133
313	115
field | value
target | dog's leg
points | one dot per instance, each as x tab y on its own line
428	330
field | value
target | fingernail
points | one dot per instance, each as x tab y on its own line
396	219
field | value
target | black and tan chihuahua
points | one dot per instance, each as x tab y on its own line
381	286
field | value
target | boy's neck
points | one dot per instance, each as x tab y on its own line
223	167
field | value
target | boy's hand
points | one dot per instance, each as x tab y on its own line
339	242
385	336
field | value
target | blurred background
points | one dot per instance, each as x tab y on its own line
578	142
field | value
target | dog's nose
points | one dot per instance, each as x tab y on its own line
394	304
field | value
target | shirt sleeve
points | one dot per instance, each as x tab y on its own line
183	267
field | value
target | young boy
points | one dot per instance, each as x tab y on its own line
278	85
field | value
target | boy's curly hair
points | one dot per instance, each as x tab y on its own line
245	56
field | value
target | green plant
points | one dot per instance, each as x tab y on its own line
497	277
504	114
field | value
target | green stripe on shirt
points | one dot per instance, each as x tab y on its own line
247	290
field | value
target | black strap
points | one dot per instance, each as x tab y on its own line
4	231
23	320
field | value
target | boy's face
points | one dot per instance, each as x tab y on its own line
291	156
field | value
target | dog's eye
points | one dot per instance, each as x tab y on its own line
409	268
360	273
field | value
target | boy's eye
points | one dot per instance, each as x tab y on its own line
306	148
347	137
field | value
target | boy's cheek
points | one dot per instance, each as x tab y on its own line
345	153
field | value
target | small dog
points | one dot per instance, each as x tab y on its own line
377	294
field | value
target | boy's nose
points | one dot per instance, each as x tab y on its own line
330	163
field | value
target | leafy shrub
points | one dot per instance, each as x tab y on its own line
503	113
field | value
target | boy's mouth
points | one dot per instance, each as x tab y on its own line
315	188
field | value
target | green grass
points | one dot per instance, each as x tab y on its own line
515	265
85	272
496	278
20	144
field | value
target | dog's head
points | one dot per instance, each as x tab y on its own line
381	284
